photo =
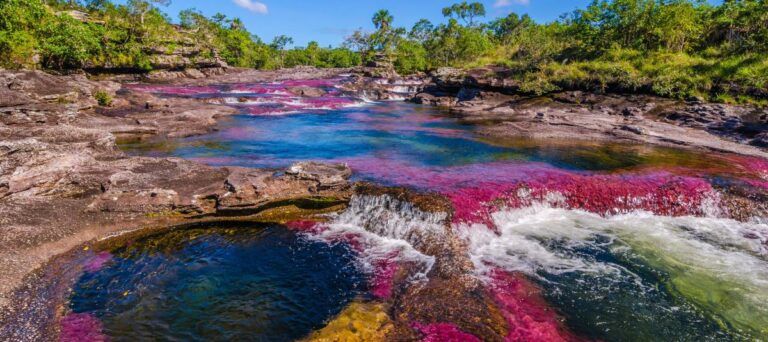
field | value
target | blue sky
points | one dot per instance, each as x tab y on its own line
330	21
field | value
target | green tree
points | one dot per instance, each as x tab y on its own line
279	44
411	57
67	43
422	31
382	20
466	12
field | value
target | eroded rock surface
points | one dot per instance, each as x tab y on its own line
63	180
487	96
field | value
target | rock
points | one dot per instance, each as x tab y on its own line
306	91
467	94
326	175
447	72
633	129
63	180
632	112
760	140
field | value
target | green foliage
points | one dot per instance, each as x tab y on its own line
411	57
67	43
103	98
455	45
674	48
17	49
38	33
313	55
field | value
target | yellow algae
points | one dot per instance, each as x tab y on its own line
358	322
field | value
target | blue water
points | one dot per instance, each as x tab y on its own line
266	284
388	132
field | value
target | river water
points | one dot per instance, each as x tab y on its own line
570	241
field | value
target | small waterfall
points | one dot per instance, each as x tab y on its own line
701	257
386	228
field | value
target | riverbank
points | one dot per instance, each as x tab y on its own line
64	181
486	97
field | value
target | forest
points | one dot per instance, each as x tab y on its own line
671	48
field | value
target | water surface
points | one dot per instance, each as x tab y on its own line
627	242
237	283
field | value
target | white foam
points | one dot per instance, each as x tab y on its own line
385	227
710	255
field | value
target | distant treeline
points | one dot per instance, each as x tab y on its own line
71	34
674	48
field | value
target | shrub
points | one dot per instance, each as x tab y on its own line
103	98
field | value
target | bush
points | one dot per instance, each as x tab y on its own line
67	43
411	57
17	50
103	98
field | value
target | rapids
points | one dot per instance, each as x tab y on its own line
543	241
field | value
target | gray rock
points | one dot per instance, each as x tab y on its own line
326	175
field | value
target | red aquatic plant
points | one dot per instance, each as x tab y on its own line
382	280
79	327
98	261
661	194
443	332
529	316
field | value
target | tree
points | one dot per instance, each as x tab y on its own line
506	28
278	44
421	31
467	12
411	57
68	43
142	7
453	44
382	20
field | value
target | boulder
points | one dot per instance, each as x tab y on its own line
327	176
306	91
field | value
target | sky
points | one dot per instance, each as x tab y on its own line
329	21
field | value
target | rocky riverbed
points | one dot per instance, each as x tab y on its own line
486	97
64	181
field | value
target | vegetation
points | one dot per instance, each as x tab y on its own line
103	98
99	34
674	48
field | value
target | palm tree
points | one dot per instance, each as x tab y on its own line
382	19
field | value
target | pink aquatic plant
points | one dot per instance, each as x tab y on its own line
305	226
382	280
269	98
529	316
174	90
477	190
97	262
81	327
443	332
661	194
757	183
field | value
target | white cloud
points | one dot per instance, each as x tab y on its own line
255	6
505	3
